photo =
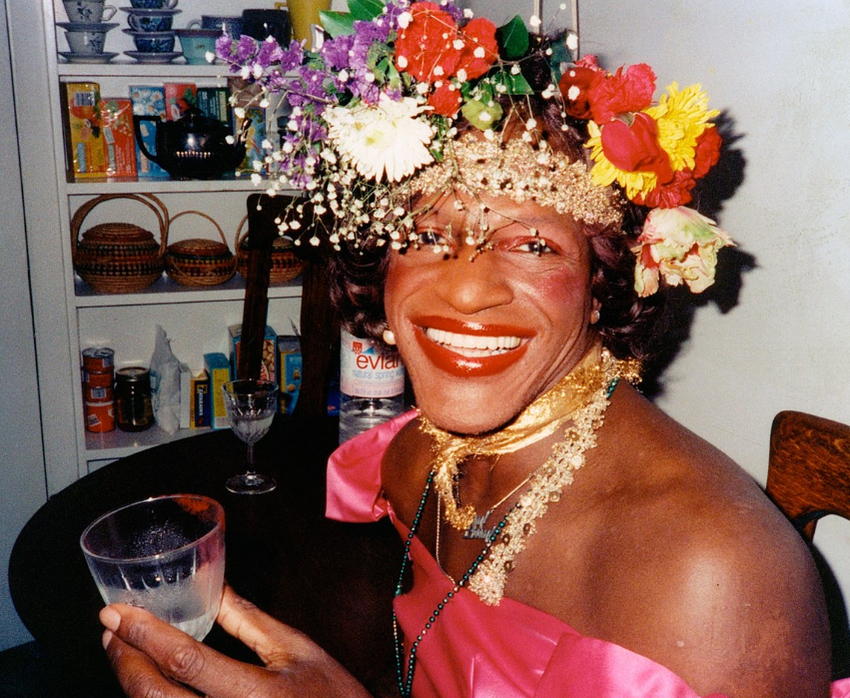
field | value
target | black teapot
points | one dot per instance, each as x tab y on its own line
192	147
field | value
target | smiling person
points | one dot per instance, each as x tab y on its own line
510	227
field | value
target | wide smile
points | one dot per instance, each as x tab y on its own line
471	351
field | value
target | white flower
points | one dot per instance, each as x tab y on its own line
385	138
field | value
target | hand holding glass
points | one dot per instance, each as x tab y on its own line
164	554
251	405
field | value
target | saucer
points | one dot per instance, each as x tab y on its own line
150	35
87	26
164	57
87	57
163	11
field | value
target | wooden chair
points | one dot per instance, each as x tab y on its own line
808	478
318	320
808	473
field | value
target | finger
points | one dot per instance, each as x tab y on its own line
137	674
180	657
275	643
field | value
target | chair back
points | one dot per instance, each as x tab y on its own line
808	473
318	320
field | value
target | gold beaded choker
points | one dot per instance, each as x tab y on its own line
579	399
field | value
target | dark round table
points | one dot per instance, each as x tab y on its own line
332	580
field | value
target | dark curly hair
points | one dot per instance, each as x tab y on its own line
628	324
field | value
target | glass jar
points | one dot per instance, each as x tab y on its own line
134	411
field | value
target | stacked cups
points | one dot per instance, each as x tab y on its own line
150	25
86	30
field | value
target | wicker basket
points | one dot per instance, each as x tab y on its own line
119	257
286	265
200	262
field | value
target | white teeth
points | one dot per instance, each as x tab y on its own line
472	345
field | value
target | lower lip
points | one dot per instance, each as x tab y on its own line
466	366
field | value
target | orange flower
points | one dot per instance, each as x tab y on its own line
445	100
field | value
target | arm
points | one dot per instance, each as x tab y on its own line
152	658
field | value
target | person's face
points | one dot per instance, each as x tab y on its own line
482	337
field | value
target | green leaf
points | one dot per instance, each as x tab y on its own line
365	9
513	39
337	23
519	85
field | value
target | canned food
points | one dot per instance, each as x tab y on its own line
100	416
98	359
133	398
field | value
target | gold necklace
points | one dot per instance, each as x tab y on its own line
477	528
589	385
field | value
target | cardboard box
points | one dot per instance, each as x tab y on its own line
179	96
218	368
116	115
213	103
290	368
269	367
84	141
148	100
194	398
255	120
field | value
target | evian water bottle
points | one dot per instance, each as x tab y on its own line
371	385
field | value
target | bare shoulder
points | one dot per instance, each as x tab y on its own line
721	588
404	469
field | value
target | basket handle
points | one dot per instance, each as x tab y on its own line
148	200
209	218
240	236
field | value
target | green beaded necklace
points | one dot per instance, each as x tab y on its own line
405	683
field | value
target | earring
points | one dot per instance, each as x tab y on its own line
388	337
594	317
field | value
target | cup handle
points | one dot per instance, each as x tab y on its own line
169	4
108	12
133	22
194	24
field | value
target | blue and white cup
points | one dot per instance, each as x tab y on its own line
153	4
153	42
150	20
89	11
86	42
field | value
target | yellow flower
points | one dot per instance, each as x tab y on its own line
604	173
681	118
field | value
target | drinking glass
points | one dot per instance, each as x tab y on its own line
251	405
164	554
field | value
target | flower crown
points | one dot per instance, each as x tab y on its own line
371	117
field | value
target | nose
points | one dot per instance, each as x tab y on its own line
472	283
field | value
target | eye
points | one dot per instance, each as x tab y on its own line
533	245
432	238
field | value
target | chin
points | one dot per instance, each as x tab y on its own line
467	416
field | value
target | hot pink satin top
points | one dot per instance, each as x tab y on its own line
473	649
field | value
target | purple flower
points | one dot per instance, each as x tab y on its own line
335	51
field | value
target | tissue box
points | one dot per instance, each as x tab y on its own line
289	367
148	100
119	140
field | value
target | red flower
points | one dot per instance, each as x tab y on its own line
446	100
425	48
635	148
622	92
479	37
707	152
574	86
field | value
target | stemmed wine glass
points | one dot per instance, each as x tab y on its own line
251	406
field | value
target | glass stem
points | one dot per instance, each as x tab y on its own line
250	459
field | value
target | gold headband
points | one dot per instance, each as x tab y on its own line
523	172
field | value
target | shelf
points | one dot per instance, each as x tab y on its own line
167	291
117	443
94	187
129	68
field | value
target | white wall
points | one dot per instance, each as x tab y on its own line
780	70
22	480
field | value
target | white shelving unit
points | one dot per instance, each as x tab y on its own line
70	316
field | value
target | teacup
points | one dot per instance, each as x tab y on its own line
87	42
89	11
221	23
153	42
196	43
150	21
153	4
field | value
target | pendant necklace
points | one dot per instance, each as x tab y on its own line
478	527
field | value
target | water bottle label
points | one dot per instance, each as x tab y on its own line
365	371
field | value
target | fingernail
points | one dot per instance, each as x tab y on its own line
110	618
107	638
